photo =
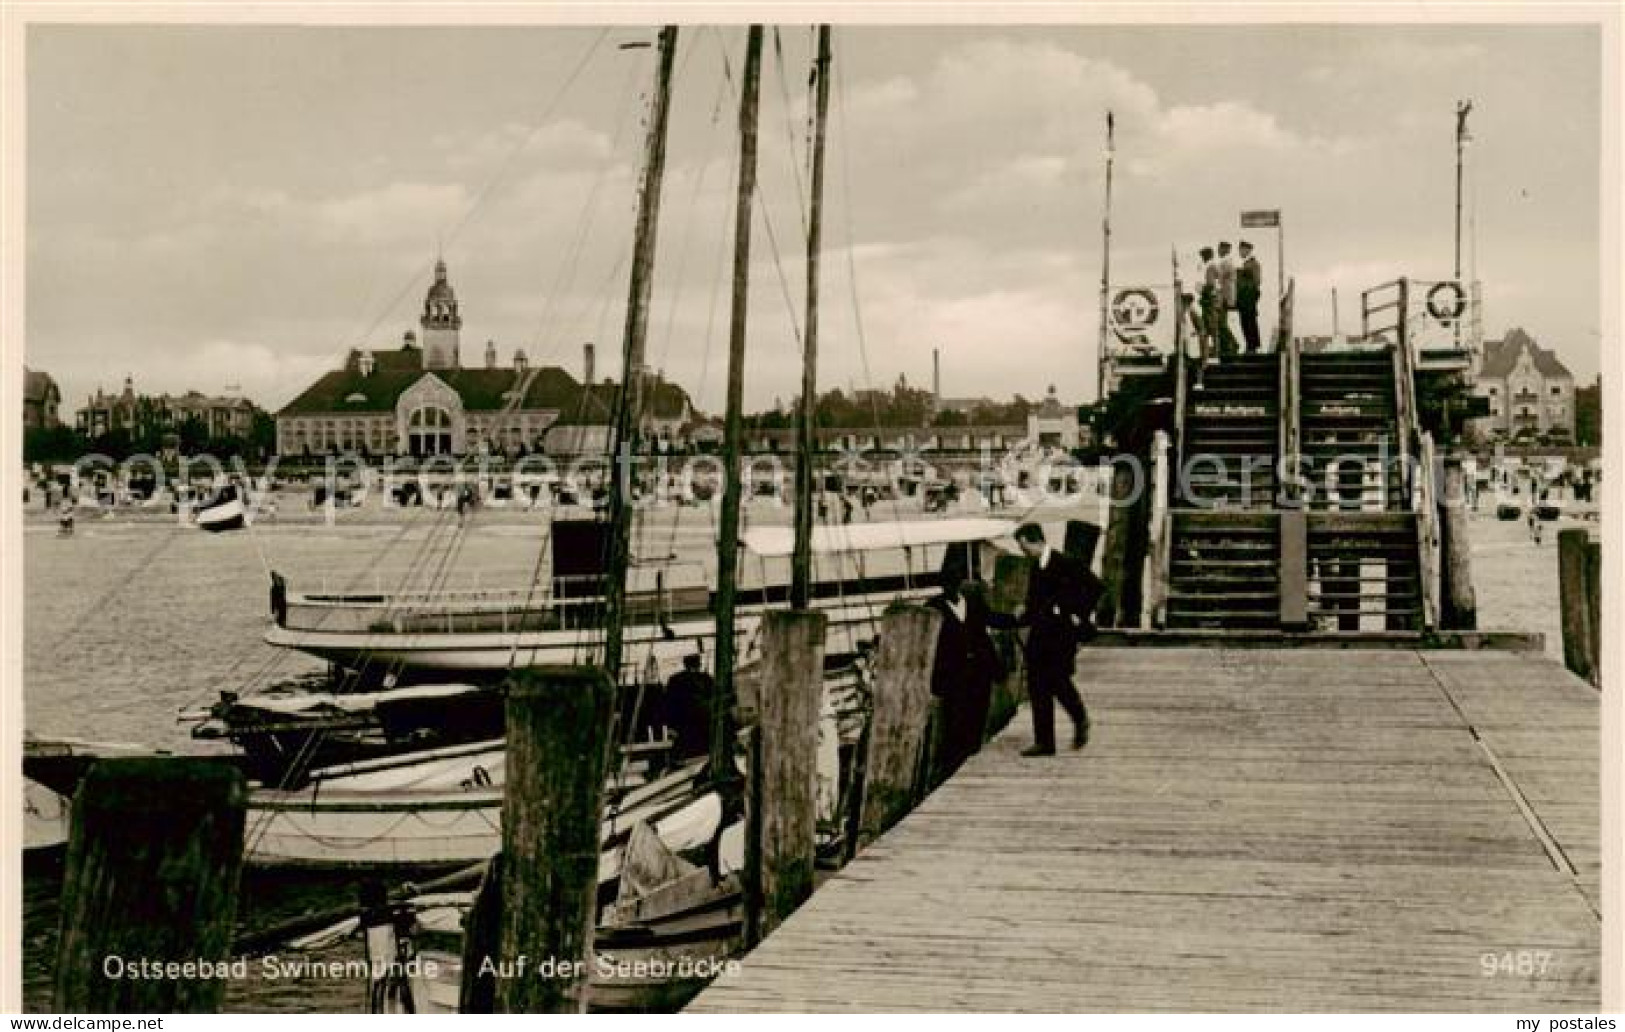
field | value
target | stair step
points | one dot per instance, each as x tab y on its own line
1189	519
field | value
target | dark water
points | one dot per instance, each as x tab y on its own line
264	900
126	623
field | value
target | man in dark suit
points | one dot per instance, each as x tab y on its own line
1061	596
690	697
967	663
1248	289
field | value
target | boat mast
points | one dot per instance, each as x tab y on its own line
801	560
1105	258
732	445
629	414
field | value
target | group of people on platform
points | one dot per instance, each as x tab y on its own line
1228	286
1056	613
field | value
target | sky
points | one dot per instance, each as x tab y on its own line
234	208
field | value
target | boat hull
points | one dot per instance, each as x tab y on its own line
225	516
496	651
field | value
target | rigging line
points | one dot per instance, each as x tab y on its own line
773	241
480	197
78	624
718	261
716	280
565	275
687	235
851	263
790	134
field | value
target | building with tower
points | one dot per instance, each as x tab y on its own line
419	399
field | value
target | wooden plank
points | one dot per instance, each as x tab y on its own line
1278	830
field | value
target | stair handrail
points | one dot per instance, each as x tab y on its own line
1290	415
1417	457
1427	532
1159	568
1181	372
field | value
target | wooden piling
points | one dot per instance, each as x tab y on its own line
558	746
1009	593
1082	538
1594	577
1119	602
1294	569
482	943
901	707
154	858
1579	597
1458	602
780	839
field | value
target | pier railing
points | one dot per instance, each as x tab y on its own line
1417	467
1158	569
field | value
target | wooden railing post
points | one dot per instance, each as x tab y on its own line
558	747
1579	574
1009	592
154	858
1459	602
897	722
1119	601
781	834
1082	539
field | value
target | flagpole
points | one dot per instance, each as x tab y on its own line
1106	260
1280	257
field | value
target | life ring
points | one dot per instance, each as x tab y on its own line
1446	310
1134	310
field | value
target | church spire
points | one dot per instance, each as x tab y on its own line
441	322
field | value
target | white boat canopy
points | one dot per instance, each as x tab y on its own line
773	542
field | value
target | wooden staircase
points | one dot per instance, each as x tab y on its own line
1225	550
1362	536
1334	548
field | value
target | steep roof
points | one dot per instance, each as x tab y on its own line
37	386
1501	356
481	390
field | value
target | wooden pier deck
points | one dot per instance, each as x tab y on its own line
1274	830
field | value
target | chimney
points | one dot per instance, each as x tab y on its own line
936	374
588	364
520	362
364	363
490	354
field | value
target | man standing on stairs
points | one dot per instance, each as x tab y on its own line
1212	310
1227	299
1247	291
1061	596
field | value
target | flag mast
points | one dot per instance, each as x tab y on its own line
1106	258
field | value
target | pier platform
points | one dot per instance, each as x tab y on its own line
1249	830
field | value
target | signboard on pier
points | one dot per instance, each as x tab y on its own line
1141	330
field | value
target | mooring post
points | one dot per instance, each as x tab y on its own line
155	854
1594	577
1119	602
1576	591
558	746
781	836
482	943
900	710
1082	537
1009	593
1459	602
